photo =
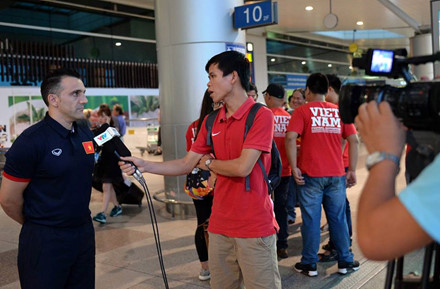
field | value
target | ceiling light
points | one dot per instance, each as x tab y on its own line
303	62
360	23
273	60
350	67
329	65
118	43
309	8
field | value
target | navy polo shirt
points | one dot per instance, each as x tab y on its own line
58	165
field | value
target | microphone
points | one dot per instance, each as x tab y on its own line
108	138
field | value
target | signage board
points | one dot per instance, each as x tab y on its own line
257	14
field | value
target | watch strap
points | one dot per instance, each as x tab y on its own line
208	163
385	156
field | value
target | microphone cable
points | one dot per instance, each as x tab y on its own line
139	177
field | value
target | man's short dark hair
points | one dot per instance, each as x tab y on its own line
230	61
334	82
51	84
317	83
252	87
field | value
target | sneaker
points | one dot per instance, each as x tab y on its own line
328	256
327	247
282	253
204	275
116	211
100	218
344	267
307	269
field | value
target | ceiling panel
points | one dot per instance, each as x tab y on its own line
295	20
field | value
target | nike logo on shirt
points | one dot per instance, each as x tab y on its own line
216	133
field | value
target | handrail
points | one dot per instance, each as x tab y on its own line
170	201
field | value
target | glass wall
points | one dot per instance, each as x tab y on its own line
291	59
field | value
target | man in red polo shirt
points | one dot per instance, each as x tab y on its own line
319	173
242	227
274	98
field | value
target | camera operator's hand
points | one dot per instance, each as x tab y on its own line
380	129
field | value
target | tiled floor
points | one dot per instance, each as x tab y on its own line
126	256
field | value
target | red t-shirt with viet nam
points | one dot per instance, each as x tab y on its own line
281	120
321	130
235	211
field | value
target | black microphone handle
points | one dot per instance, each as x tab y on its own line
137	173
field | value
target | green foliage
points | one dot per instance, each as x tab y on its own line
23	118
142	104
37	115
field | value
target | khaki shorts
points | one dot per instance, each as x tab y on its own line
235	262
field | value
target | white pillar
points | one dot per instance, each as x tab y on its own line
188	33
422	45
260	63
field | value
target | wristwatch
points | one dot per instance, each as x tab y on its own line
376	157
207	163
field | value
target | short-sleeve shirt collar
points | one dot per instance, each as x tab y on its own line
61	130
241	111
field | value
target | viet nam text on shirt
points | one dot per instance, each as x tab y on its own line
281	123
325	120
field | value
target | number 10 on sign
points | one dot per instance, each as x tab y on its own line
256	14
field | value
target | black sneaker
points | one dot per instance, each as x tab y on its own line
345	267
282	253
328	247
100	218
307	269
116	211
328	256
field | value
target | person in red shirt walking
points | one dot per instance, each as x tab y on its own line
274	98
319	173
242	227
332	96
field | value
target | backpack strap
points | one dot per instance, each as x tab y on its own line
249	121
250	118
248	124
208	124
266	178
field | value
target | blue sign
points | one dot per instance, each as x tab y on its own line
256	14
289	81
235	47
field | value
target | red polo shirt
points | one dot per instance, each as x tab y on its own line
235	211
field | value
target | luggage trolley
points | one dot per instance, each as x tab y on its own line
152	138
152	126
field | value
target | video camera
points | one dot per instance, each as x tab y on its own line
417	105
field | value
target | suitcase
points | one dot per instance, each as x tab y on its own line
131	195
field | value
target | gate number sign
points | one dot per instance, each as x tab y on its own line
256	14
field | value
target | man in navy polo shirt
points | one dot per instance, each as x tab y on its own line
46	187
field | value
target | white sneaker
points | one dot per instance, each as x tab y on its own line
204	275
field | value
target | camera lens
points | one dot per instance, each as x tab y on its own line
350	98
